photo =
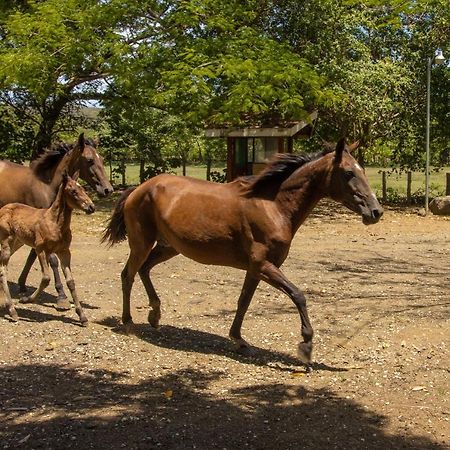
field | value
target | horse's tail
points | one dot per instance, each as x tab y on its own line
116	230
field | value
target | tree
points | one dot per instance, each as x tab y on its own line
203	59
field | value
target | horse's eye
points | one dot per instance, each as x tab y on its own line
349	175
90	161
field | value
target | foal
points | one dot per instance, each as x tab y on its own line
47	231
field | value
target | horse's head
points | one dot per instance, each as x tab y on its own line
75	196
90	166
348	184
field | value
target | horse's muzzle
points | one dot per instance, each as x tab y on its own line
372	216
90	209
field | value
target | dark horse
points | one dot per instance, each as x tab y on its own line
247	224
37	186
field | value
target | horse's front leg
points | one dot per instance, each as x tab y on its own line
62	302
5	254
248	289
65	257
25	271
45	279
273	275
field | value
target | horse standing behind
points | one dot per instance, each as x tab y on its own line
248	224
47	231
38	184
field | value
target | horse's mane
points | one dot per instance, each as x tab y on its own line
49	159
51	156
279	169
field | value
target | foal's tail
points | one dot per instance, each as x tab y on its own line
116	231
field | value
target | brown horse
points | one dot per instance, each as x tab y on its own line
247	224
48	232
38	184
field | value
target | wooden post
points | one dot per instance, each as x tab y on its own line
408	187
384	188
447	188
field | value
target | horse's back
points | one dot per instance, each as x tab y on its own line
200	219
18	184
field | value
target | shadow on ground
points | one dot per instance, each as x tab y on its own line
57	407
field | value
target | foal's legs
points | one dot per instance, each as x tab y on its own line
45	280
65	257
248	289
62	303
5	254
158	255
272	275
25	271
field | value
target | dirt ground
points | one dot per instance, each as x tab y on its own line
379	302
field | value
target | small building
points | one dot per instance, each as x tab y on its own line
249	149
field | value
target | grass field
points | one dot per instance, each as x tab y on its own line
395	182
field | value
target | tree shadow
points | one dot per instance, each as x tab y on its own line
56	407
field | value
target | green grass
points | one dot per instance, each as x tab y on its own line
395	182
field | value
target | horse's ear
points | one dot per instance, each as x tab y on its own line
96	141
75	175
351	148
340	147
81	141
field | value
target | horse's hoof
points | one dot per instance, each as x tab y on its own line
153	319
14	316
127	328
242	347
305	352
84	323
62	304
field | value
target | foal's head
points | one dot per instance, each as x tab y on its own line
75	196
348	184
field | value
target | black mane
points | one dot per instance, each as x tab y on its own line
278	170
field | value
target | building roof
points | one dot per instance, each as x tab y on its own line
286	129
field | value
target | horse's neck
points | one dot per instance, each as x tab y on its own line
301	192
58	172
60	211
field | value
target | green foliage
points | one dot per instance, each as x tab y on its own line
157	66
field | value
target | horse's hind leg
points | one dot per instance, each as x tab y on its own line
158	255
62	302
139	251
248	289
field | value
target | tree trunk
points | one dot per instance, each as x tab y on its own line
141	170
408	187
384	186
50	115
123	165
447	189
208	168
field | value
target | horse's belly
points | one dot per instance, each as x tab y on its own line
220	252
